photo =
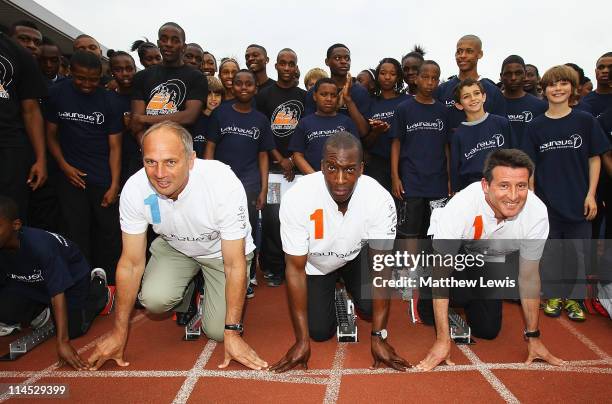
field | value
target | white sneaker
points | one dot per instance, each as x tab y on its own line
7	329
604	294
42	319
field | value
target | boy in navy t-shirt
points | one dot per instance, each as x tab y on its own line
84	136
45	269
353	100
474	139
419	152
601	98
566	145
467	54
199	129
313	130
521	107
240	136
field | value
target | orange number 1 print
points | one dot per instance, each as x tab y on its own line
317	217
478	227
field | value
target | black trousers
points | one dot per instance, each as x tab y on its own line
252	202
271	254
379	168
321	299
93	228
14	171
89	300
482	306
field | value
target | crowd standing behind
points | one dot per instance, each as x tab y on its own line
71	139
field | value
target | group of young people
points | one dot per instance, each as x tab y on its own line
151	138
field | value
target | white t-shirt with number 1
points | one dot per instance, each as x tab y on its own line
312	225
213	206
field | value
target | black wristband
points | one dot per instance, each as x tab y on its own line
235	327
531	334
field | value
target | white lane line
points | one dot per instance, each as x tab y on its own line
333	384
45	372
585	340
488	375
187	388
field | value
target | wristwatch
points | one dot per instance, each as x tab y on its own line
531	334
235	327
382	334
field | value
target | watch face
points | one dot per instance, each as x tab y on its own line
383	333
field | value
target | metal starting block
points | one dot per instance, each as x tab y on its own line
25	344
193	329
460	331
345	316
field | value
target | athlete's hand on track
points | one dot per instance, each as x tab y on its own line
439	352
298	354
74	176
67	354
537	350
237	349
109	197
590	207
382	352
111	347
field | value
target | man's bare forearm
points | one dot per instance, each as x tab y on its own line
128	281
298	300
529	289
235	290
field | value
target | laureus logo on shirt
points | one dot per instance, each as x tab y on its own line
384	116
449	103
438	125
93	118
6	76
525	116
253	133
285	118
572	142
324	133
166	98
496	141
35	277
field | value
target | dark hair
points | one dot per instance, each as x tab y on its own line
211	55
195	45
606	55
334	46
399	80
429	62
111	53
578	70
343	141
418	52
324	80
48	41
85	59
142	47
245	71
22	23
466	83
254	45
175	25
513	158
288	50
513	59
8	209
534	67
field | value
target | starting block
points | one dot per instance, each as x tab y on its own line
193	329
345	316
25	344
460	331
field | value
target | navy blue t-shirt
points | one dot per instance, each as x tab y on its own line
598	102
471	143
423	133
46	264
130	149
239	137
384	110
360	97
583	106
521	111
560	149
85	122
313	130
494	104
198	133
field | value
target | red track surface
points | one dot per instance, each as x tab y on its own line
165	369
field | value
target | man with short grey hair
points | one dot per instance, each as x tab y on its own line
199	210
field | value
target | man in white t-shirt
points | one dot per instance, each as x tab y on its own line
199	210
494	217
325	219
